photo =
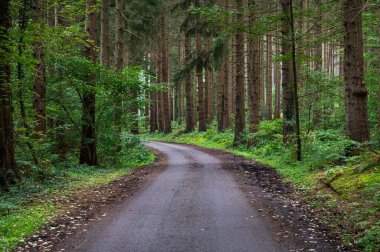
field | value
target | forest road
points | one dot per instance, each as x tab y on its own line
193	205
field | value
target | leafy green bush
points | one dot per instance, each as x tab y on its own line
371	240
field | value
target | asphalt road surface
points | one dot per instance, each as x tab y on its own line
193	205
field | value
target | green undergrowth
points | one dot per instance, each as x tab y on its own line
29	204
336	174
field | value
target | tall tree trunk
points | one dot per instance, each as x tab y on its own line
165	75
295	83
118	64
254	73
227	78
287	80
356	93
153	97
153	102
240	73
7	151
104	60
119	34
209	81
189	88
180	83
220	97
39	87
199	72
262	74
232	77
277	106
318	60
88	153
160	109
146	110
269	82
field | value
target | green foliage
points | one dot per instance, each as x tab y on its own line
370	242
24	208
21	224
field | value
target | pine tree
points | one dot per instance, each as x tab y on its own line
240	73
356	92
88	152
7	151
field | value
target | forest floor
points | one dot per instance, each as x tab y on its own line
342	191
32	208
85	207
202	200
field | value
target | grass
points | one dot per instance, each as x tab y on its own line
25	209
334	173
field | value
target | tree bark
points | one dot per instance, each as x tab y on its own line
165	76
287	88
189	88
119	34
7	151
240	73
199	73
104	41
318	60
153	98
269	82
356	92
254	73
180	83
39	87
295	83
220	97
277	107
262	74
88	153
209	81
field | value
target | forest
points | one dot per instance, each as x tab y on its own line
291	84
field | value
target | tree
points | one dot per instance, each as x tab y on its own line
39	87
188	87
318	58
119	34
240	73
165	76
295	83
277	103
288	128
180	83
254	73
104	41
199	73
209	84
356	92
88	152
7	151
269	80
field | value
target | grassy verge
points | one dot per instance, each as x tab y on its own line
334	174
30	204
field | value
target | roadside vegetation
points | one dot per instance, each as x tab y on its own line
40	197
335	174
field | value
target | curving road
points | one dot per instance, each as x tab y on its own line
193	205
